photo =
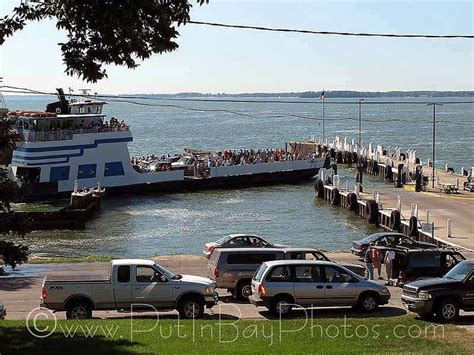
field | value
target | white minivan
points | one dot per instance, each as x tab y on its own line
283	284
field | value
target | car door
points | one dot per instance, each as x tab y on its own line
308	284
150	287
340	287
122	287
468	292
278	281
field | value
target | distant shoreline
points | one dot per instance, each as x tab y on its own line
302	95
328	94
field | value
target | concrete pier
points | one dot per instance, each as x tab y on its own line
444	213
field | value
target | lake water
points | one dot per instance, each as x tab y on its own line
181	223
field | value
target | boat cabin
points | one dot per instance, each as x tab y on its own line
86	107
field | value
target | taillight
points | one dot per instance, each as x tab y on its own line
43	293
216	272
211	249
261	290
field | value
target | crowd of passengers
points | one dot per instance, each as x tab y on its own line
114	124
202	165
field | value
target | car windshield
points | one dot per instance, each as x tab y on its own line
371	238
459	272
168	274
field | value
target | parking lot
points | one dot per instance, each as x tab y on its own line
22	295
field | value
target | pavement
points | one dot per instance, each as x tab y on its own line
458	208
21	294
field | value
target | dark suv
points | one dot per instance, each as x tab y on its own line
415	264
423	263
442	297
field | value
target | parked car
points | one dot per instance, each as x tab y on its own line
233	268
279	285
186	163
3	311
442	297
316	254
388	239
129	281
239	241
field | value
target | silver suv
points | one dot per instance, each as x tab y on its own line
233	268
280	285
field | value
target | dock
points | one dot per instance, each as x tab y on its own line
82	207
435	210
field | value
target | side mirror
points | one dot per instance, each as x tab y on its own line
159	278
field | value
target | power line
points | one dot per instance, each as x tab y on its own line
332	33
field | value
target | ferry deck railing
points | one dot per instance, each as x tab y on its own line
29	135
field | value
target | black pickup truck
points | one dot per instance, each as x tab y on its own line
442	297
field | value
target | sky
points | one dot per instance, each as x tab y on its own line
214	60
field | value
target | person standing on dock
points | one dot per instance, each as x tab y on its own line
369	265
389	257
376	261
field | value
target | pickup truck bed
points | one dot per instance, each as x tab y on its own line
78	278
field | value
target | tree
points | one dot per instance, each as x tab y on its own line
105	31
11	225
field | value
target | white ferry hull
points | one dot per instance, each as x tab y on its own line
91	160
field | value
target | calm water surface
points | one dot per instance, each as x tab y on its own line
144	226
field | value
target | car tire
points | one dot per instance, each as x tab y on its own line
191	308
281	306
447	310
79	310
243	290
368	302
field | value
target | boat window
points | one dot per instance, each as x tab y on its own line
59	173
114	168
28	175
86	171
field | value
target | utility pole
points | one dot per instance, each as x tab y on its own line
434	104
360	123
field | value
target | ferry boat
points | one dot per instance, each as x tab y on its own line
70	144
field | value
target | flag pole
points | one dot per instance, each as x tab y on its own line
324	97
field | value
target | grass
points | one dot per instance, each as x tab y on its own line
68	260
382	335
